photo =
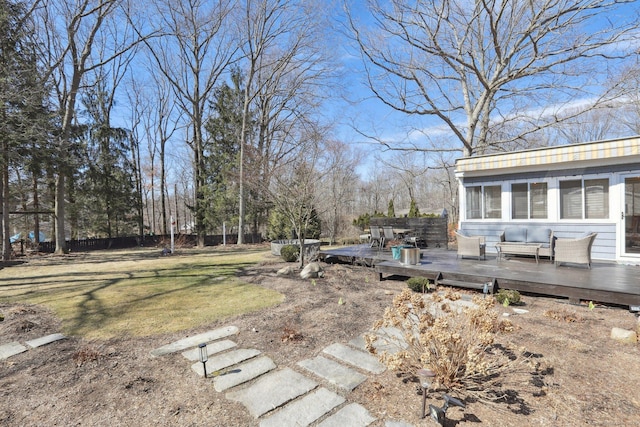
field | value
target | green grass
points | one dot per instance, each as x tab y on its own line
138	292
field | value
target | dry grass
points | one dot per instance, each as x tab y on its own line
138	292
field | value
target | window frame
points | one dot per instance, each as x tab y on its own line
531	200
586	182
483	202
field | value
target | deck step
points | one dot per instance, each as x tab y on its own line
463	284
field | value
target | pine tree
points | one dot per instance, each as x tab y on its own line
221	153
414	212
21	103
106	190
391	212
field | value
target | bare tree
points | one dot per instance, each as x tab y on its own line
629	114
192	50
474	65
405	168
338	165
284	64
71	33
293	189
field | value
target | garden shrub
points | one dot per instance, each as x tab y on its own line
512	297
290	253
455	340
419	284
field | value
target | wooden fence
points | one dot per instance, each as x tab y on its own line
83	245
431	232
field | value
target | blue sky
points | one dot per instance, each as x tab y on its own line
371	116
364	112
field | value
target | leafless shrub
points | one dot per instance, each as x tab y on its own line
565	315
457	341
290	335
87	354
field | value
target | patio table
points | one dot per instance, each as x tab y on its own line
401	232
516	249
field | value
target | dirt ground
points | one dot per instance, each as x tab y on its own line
591	379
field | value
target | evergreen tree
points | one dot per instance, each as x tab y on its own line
221	153
21	103
414	212
107	189
391	211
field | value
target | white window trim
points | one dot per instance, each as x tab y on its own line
556	199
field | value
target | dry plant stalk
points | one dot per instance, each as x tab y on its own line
455	341
87	354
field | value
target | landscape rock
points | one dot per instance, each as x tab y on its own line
624	335
285	271
312	270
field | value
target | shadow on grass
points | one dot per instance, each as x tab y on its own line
93	300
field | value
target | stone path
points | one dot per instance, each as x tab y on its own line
11	349
315	394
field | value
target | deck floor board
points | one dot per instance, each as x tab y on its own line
605	282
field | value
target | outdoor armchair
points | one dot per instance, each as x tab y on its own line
470	245
577	251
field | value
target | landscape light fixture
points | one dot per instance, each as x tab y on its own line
426	376
202	348
485	289
439	414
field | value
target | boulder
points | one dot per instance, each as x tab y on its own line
312	270
285	271
624	335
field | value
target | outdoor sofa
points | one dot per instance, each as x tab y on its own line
523	237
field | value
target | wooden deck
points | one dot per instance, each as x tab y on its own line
605	282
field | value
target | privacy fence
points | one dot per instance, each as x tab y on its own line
82	245
430	231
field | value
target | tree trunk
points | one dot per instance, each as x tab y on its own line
4	190
163	202
61	243
36	217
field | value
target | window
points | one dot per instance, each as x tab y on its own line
538	195
596	198
484	202
473	202
586	199
519	206
571	199
529	200
493	201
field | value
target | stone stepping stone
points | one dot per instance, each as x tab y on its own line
224	360
306	410
45	340
213	348
11	349
354	357
272	391
353	415
243	373
334	372
390	340
194	341
397	424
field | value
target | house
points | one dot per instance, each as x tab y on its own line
572	189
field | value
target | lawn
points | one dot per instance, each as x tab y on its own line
139	292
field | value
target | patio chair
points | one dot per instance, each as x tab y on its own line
388	234
376	238
576	251
470	245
